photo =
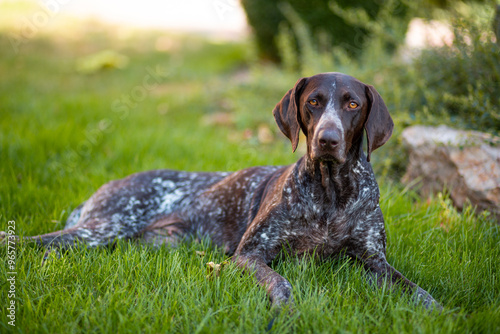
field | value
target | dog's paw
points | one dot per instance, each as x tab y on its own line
424	298
433	306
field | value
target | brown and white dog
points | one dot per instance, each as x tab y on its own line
327	202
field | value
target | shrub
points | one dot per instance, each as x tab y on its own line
463	81
326	22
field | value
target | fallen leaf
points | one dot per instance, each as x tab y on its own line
214	269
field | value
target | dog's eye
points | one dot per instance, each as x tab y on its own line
313	102
353	105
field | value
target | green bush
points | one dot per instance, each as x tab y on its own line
463	81
326	20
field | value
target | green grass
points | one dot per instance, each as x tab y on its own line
53	156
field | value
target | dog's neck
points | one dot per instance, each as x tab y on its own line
332	179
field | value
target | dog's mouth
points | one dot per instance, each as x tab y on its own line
329	157
334	155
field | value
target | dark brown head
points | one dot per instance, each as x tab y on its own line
332	109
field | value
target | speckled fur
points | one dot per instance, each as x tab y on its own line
326	203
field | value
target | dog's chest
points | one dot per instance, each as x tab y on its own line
313	226
324	226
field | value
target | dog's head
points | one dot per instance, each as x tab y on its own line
332	109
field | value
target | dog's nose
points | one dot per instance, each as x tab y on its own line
328	139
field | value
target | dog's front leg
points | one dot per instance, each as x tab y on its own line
382	272
278	288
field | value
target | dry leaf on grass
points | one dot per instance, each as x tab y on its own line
214	269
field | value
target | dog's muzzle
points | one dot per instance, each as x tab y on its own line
329	145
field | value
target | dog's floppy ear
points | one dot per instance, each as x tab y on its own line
379	124
286	113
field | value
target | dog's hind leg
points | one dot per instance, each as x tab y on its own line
168	231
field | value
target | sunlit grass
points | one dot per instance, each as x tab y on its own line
60	139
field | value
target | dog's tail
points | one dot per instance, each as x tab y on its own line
68	236
58	239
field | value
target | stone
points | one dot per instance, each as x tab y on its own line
465	163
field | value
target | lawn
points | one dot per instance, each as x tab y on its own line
181	102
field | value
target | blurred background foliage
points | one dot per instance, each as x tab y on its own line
463	81
327	26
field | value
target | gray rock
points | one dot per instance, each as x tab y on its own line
466	163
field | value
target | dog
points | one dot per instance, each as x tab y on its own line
327	203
